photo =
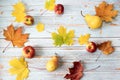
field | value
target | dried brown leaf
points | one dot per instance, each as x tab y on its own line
106	47
105	11
15	36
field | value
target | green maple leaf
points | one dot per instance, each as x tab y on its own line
62	37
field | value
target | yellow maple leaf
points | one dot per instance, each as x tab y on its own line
69	37
84	39
62	31
50	4
19	67
40	27
19	12
19	6
63	37
105	11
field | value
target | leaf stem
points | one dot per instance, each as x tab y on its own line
35	68
0	31
98	56
55	54
43	12
82	14
92	69
29	10
48	31
6	47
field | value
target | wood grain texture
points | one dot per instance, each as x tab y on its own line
43	43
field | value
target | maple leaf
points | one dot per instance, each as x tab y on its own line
105	11
19	12
15	36
106	47
40	27
62	37
19	67
49	5
76	72
84	39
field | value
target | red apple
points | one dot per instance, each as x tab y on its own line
59	9
29	20
91	47
28	52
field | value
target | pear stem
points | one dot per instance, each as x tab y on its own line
82	14
6	47
92	69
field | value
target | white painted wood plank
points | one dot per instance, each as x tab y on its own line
36	66
65	53
43	41
65	2
107	31
55	21
89	76
106	68
37	10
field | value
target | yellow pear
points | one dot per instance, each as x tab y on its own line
93	22
52	64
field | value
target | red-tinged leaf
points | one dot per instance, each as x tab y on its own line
76	72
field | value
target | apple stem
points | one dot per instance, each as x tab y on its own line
98	56
6	47
82	14
92	69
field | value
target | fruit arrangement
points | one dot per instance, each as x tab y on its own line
104	12
61	37
58	8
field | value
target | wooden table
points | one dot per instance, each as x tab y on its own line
43	43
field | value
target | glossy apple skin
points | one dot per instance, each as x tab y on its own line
29	20
91	47
59	9
28	52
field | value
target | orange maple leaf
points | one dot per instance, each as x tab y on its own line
15	36
105	11
106	47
